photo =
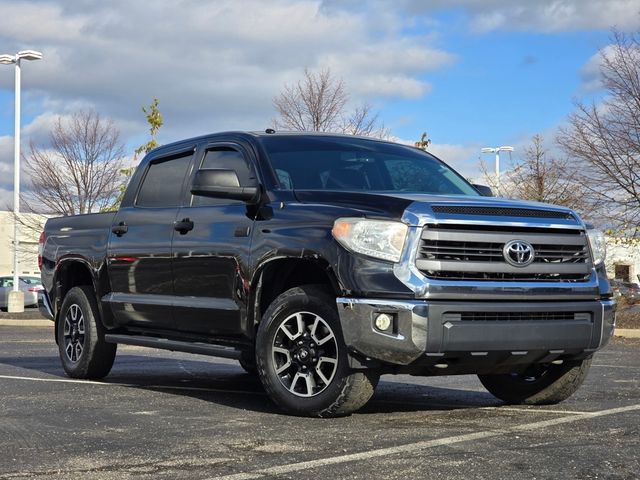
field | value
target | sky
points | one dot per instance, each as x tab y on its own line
472	73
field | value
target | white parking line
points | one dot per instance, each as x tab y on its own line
150	387
60	380
423	445
536	410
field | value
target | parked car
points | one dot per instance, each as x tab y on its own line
30	291
321	262
35	282
628	290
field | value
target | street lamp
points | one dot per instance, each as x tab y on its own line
16	297
497	150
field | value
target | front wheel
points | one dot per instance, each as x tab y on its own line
302	360
543	384
80	334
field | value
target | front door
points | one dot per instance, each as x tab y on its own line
139	254
210	259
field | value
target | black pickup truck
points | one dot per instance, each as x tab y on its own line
321	262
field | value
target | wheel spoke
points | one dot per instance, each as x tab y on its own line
321	373
283	367
69	351
287	364
300	323
81	325
311	383
322	376
281	350
326	339
314	328
67	327
296	378
327	360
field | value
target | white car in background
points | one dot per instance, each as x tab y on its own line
30	286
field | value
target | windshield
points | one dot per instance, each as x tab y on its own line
342	163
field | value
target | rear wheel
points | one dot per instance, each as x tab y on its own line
302	359
542	384
80	335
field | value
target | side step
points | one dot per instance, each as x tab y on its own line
174	345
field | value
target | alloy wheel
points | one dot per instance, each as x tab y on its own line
74	333
305	354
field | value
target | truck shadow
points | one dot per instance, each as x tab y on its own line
224	382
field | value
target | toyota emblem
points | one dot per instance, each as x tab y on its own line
518	253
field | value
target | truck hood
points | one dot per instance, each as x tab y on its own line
393	205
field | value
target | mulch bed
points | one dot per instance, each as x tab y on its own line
627	318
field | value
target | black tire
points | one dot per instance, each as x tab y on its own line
344	390
80	335
248	362
540	384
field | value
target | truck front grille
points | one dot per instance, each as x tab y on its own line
475	252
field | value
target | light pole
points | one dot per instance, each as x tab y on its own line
497	150
16	297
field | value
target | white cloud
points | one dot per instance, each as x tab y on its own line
6	199
521	15
213	65
552	15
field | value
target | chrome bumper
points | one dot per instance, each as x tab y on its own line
424	328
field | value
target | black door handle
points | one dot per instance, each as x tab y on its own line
183	226
120	229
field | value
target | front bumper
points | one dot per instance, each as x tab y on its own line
438	329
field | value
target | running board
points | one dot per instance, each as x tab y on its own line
174	345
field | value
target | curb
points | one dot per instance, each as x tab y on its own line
627	332
30	322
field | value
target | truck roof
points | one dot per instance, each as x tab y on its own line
266	133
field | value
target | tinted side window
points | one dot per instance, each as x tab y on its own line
162	185
225	158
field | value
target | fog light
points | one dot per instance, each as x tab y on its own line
383	321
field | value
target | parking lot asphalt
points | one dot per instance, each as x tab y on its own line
170	415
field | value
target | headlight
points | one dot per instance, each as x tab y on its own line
375	238
598	245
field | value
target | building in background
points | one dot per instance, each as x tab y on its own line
30	228
623	260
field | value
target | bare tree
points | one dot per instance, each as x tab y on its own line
540	177
81	171
604	139
319	103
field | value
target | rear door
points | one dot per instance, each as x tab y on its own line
210	260
139	254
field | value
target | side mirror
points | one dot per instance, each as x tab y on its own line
222	184
483	190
